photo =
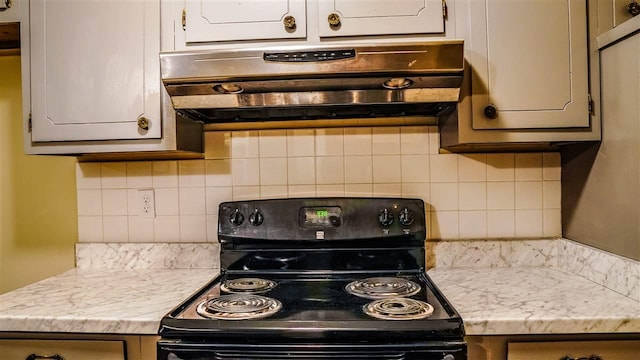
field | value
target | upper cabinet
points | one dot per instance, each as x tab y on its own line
379	17
201	22
95	70
532	79
529	61
230	20
91	81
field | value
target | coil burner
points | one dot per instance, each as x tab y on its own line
239	307
398	309
247	286
382	288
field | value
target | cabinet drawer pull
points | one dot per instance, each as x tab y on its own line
633	8
35	356
592	357
4	5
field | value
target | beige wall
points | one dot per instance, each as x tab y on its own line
38	216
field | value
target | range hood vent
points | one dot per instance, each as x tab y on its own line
315	82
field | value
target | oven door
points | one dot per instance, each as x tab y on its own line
433	350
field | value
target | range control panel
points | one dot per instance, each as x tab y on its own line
322	219
310	56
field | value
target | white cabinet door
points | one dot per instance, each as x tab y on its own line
529	61
379	17
10	12
229	20
94	69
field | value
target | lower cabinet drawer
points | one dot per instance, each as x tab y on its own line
63	349
574	350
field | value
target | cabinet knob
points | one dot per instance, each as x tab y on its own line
143	123
633	8
289	22
490	112
4	5
334	19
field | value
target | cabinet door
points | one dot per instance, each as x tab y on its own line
66	349
94	69
605	350
228	20
10	12
379	17
529	61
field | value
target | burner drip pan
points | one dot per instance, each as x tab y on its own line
247	286
382	288
398	309
239	307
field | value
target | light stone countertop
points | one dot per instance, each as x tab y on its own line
100	300
534	300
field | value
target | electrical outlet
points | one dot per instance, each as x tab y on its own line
147	203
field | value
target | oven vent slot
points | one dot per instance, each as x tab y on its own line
253	355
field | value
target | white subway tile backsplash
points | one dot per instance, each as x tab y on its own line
443	168
329	170
528	195
500	167
114	175
193	228
218	144
191	173
164	174
358	169
88	176
89	202
528	166
244	144
472	167
444	196
330	142
273	171
114	202
387	190
358	190
140	229
116	228
414	140
273	143
192	201
551	168
297	191
415	168
218	172
387	169
216	195
385	141
470	196
139	175
529	223
301	170
166	228
246	192
300	142
357	141
245	172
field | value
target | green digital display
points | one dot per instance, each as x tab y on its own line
320	217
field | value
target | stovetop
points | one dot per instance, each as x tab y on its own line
312	249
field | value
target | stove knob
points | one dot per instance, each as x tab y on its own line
256	218
237	218
449	357
406	217
385	218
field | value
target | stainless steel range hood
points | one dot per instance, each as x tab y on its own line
315	82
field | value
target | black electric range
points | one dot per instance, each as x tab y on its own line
338	278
